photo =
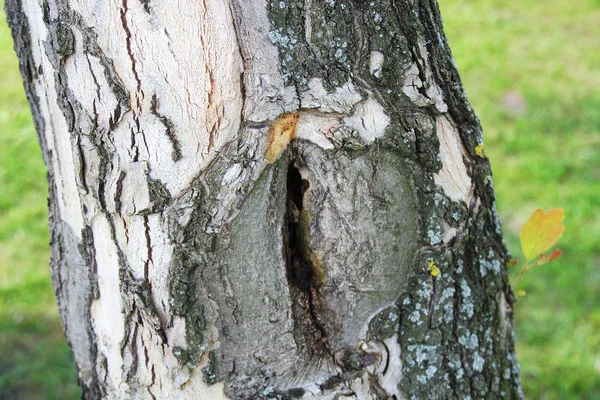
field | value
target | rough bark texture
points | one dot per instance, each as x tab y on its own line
266	199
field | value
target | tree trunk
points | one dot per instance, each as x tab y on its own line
276	199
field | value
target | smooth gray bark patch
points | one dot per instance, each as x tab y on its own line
363	230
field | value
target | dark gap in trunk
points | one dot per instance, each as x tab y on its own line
309	332
299	267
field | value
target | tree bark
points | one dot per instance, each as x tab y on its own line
266	199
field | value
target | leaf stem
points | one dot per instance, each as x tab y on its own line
524	270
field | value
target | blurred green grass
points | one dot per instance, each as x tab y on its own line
532	72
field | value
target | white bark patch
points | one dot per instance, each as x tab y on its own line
196	82
106	311
388	369
266	96
176	335
233	179
234	175
195	388
146	245
413	82
134	185
56	131
341	101
165	379
209	392
264	107
393	375
412	88
88	83
316	129
453	177
361	388
375	63
369	120
449	234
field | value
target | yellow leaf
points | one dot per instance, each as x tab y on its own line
520	293
541	232
480	150
433	269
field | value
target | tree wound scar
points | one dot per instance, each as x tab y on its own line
281	133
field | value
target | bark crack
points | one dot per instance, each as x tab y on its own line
218	109
124	10
149	254
432	303
146	5
169	128
82	165
93	76
119	191
134	147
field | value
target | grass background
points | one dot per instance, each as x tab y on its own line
532	72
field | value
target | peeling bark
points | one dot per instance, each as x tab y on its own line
248	199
